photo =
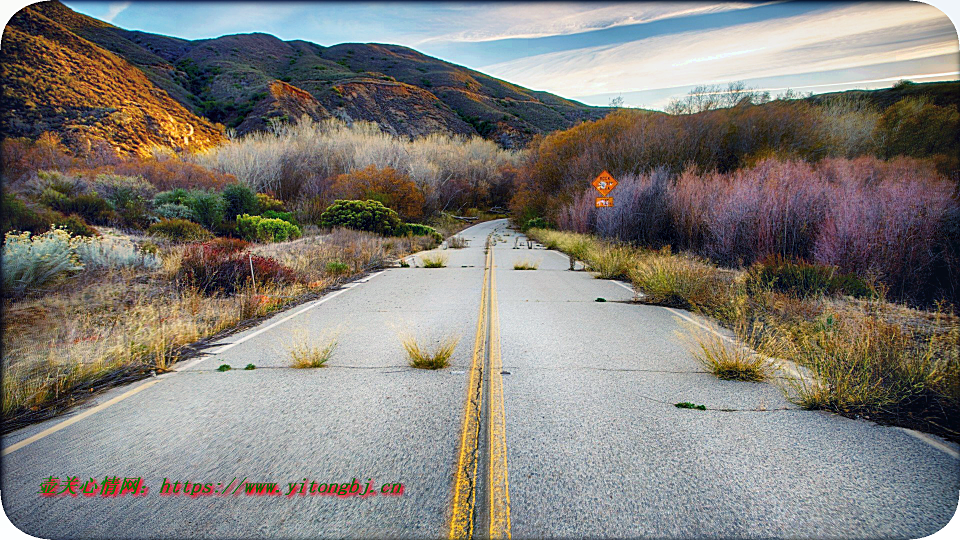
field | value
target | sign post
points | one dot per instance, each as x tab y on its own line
604	184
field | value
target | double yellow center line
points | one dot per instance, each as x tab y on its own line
483	409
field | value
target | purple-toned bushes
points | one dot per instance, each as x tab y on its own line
883	220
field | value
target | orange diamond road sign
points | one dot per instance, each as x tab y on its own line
605	183
604	202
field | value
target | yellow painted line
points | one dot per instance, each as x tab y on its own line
464	487
499	485
77	418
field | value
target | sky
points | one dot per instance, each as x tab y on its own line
645	52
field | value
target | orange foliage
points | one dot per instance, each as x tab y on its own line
392	188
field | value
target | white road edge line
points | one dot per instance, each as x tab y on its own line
53	429
916	434
923	437
932	442
143	386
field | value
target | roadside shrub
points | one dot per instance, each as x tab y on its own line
207	206
536	223
213	268
371	216
337	268
239	199
263	229
112	252
802	279
416	229
178	230
229	245
30	262
174	211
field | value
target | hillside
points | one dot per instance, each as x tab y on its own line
233	80
54	80
944	94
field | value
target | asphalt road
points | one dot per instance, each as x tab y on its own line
576	431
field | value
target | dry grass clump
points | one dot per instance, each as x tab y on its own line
434	260
456	242
305	354
425	357
524	264
866	364
724	358
613	261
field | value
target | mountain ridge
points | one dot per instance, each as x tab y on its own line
248	81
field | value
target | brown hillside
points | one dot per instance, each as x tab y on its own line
55	80
284	102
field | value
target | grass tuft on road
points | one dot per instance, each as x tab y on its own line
425	357
456	242
307	355
524	264
726	360
434	260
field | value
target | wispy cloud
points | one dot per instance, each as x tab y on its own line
114	9
491	22
847	37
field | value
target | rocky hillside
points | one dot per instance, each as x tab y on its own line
243	81
54	80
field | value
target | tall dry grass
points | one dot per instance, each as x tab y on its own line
303	160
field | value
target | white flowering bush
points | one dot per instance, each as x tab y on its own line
113	252
30	262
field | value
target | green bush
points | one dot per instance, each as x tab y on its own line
17	216
369	215
174	211
179	230
90	206
75	225
536	223
285	216
239	199
802	279
174	196
337	268
417	229
206	206
264	229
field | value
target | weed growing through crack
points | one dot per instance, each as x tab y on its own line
424	357
456	242
224	367
524	264
250	367
435	260
728	361
305	354
688	405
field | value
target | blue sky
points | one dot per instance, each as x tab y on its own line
645	52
